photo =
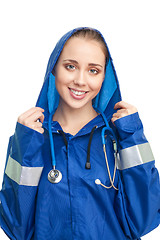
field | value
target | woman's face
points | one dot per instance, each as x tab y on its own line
80	72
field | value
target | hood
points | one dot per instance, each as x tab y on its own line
104	102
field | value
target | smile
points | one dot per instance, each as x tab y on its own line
78	93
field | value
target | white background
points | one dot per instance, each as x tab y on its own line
28	33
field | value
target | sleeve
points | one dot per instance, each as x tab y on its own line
22	173
138	202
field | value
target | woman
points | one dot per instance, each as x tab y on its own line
64	178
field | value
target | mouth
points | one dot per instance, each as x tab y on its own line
78	94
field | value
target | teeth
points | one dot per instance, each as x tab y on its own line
77	92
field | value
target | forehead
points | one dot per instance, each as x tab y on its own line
83	49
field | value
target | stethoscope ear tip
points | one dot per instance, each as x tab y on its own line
88	165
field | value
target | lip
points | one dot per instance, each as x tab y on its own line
77	97
78	90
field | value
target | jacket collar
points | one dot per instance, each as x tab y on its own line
97	121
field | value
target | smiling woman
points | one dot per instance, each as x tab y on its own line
79	75
79	165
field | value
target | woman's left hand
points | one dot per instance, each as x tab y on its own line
124	109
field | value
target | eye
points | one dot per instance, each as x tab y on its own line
93	71
70	67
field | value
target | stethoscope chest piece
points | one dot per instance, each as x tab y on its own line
54	176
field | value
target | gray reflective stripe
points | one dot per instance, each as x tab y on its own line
28	176
134	156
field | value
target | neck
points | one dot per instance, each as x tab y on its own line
72	120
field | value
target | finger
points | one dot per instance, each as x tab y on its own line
122	110
37	126
120	114
122	104
29	113
114	119
41	118
32	124
34	117
40	130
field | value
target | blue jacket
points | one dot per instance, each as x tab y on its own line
78	207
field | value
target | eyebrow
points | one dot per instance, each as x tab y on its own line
90	64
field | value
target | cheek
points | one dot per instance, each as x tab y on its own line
63	78
96	84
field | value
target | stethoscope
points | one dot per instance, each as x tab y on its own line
55	176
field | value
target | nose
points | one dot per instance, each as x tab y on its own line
80	78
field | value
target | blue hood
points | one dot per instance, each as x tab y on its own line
104	101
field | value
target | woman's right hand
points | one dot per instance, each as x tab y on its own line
33	118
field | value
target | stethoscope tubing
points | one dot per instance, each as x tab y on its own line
55	176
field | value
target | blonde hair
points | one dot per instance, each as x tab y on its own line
92	34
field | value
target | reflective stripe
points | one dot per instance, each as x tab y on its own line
28	176
134	156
